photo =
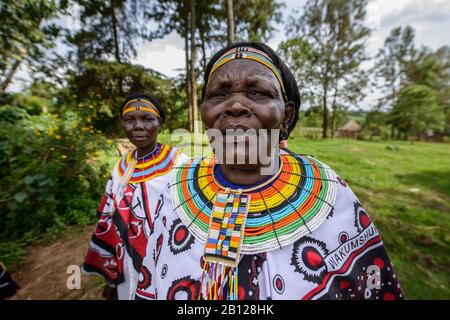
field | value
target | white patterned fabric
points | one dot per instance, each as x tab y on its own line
343	258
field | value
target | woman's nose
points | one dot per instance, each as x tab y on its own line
237	109
139	124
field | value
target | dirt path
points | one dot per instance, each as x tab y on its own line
43	273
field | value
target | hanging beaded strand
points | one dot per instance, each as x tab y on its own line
222	248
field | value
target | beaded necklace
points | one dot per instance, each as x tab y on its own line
265	217
158	162
135	170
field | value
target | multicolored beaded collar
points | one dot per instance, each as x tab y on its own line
233	222
288	207
160	161
251	54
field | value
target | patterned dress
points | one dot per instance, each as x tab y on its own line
305	235
125	218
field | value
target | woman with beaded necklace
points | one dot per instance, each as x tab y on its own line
131	199
249	230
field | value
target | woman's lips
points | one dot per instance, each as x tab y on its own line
139	138
234	127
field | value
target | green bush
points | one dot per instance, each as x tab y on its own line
50	175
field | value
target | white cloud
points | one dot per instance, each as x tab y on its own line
163	55
430	19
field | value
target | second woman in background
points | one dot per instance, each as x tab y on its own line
131	199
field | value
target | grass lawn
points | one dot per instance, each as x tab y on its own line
405	188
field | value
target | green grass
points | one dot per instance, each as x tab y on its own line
405	188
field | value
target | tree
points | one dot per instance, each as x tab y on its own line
313	117
416	111
193	78
403	67
443	86
110	29
333	36
184	17
26	32
432	69
230	21
93	90
298	54
400	65
392	63
115	31
256	24
376	124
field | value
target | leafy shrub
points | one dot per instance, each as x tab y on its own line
50	175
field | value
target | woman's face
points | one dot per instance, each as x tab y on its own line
141	128
244	94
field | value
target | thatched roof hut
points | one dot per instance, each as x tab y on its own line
350	130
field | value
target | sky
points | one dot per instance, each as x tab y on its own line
429	18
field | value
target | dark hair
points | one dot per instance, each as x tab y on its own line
138	95
290	85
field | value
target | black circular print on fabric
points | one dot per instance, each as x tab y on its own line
180	238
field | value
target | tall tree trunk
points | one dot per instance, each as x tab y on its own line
333	122
10	74
188	62
116	35
325	87
325	116
116	45
394	93
230	22
334	116
202	40
192	67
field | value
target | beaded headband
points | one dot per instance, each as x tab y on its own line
251	54
146	105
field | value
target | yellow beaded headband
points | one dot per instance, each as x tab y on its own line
251	54
146	106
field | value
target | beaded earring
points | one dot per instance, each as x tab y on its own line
284	135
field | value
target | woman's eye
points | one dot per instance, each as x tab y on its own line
260	94
217	94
